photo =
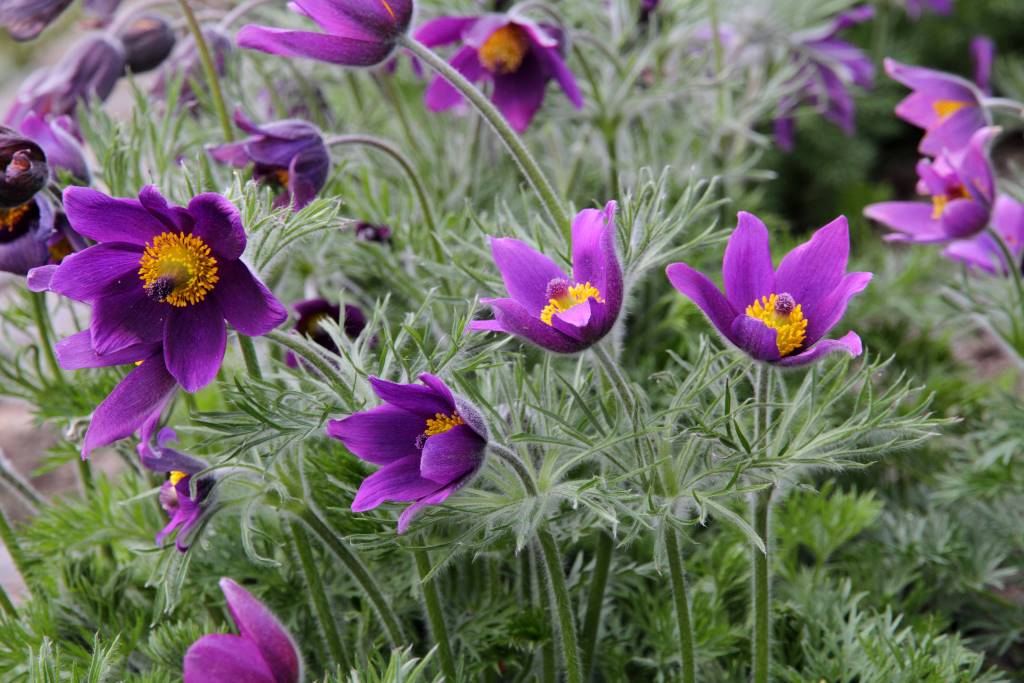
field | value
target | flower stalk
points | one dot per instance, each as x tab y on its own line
517	464
595	600
252	361
762	560
321	604
212	80
435	614
566	624
679	593
42	321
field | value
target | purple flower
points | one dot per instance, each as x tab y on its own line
915	8
90	69
148	40
829	65
356	32
64	241
983	53
947	107
263	652
982	252
288	154
961	188
373	232
779	316
23	168
549	308
517	55
164	277
25	233
26	19
428	442
57	138
184	63
314	311
184	509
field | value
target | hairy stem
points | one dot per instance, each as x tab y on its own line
675	567
321	604
517	464
595	600
209	70
762	560
252	361
19	484
435	614
42	320
566	625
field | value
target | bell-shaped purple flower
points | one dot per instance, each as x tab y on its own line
915	8
263	652
314	311
947	107
164	275
981	252
148	41
962	191
26	19
25	234
289	154
184	63
356	32
779	316
184	508
428	442
56	136
559	312
23	168
516	54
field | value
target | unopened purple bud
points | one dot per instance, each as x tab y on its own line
23	168
784	304
370	232
147	42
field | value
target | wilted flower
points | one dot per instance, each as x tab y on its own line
779	315
314	311
25	233
184	63
57	138
982	251
184	509
915	8
23	169
829	65
983	53
947	107
373	232
290	155
147	41
356	32
263	652
164	275
961	188
549	308
428	442
519	56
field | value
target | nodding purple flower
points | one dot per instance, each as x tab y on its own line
829	66
981	252
373	232
560	312
165	278
983	53
356	32
314	311
779	315
428	442
517	55
23	168
962	191
56	136
26	19
89	70
915	8
184	63
148	41
184	508
263	652
947	107
289	155
25	234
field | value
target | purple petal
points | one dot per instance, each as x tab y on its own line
194	342
593	252
559	70
399	481
439	387
325	48
381	435
983	52
259	626
443	30
169	460
232	153
515	319
526	272
703	292
812	270
954	133
77	352
218	223
747	270
173	218
974	170
831	311
914	219
39	279
125	317
850	343
442	95
245	302
964	217
434	498
449	456
756	338
86	275
332	16
106	219
519	95
221	657
417	399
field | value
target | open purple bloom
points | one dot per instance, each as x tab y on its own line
558	312
164	275
428	442
356	32
184	63
314	311
981	252
961	188
779	315
517	55
828	66
25	234
947	107
983	53
288	154
23	168
184	509
263	652
57	138
915	8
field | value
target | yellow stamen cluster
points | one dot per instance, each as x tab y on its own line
946	108
182	262
940	201
505	50
281	177
176	476
790	329
577	295
59	250
441	423
9	217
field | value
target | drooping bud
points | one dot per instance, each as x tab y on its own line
23	168
784	304
147	42
57	138
26	19
369	232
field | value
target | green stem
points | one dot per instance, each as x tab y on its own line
252	361
435	614
510	457
42	320
761	560
19	484
209	69
595	601
10	541
675	566
563	607
321	604
359	572
7	605
534	175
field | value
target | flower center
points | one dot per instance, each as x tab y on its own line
178	269
940	201
280	177
504	51
439	424
783	314
59	249
562	296
10	218
177	476
946	108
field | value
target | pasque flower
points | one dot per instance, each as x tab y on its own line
983	53
148	41
779	315
26	19
23	168
312	312
981	252
263	652
962	191
184	508
428	442
556	311
915	8
356	32
164	276
56	135
288	154
517	55
947	107
25	234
